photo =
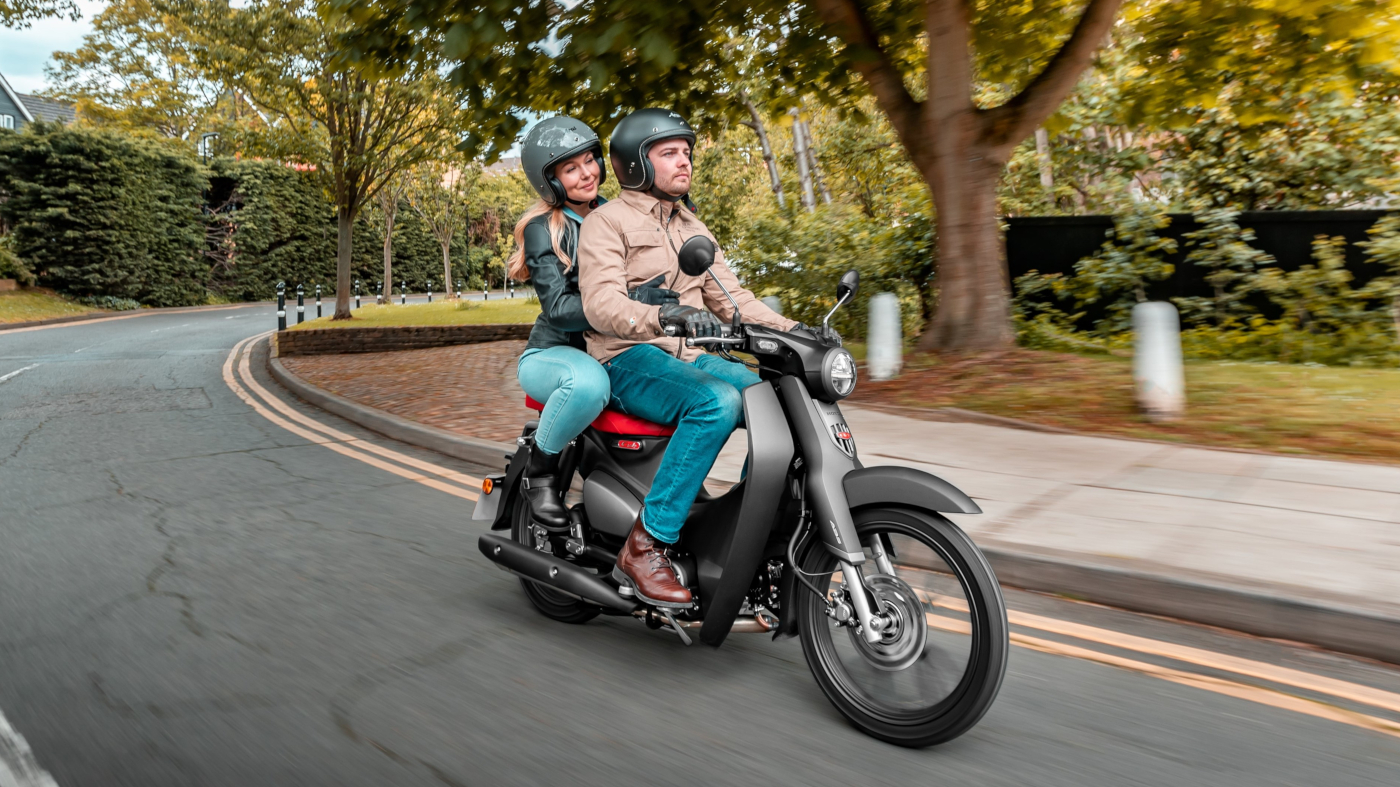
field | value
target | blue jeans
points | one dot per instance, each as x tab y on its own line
573	388
702	399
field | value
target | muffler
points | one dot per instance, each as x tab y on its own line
549	570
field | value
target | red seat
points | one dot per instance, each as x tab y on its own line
613	422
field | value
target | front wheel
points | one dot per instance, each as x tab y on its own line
942	653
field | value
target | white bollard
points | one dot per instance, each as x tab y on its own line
884	351
1157	368
773	302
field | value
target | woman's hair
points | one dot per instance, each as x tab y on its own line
516	264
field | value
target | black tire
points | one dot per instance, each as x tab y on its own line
550	602
966	640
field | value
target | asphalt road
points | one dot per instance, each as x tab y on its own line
203	586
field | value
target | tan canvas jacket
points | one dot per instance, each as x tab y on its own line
628	242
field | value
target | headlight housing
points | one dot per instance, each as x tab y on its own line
838	374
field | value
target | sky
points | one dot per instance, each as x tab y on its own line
23	53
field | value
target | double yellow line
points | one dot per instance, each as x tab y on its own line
1275	695
1272	684
238	375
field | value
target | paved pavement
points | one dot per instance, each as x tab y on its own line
206	582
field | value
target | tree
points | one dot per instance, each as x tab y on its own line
925	64
134	71
438	191
383	212
357	129
18	13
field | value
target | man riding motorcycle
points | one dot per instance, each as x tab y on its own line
630	243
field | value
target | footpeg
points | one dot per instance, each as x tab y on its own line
676	627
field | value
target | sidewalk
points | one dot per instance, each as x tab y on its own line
1303	549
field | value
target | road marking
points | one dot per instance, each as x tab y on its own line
1298	679
336	445
18	768
18	372
246	375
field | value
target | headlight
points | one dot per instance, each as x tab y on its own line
838	373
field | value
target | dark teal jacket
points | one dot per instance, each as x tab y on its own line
561	320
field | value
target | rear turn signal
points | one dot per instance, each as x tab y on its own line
630	445
486	486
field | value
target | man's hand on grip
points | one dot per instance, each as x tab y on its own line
678	320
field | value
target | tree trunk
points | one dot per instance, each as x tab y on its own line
804	171
387	285
345	225
974	305
1042	155
447	270
816	165
756	123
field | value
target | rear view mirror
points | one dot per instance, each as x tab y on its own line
697	255
850	282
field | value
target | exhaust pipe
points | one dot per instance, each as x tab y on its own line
551	571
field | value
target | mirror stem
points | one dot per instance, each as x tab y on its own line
738	318
827	318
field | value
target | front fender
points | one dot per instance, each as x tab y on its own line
905	486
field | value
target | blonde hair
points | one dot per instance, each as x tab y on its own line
516	266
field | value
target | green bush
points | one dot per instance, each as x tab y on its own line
11	266
109	302
104	213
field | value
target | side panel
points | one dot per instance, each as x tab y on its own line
905	485
827	465
611	507
734	544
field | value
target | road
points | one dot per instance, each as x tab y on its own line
205	582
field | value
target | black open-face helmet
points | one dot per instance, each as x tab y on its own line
634	136
551	141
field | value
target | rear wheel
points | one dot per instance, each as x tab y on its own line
550	602
942	654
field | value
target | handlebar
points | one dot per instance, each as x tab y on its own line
718	341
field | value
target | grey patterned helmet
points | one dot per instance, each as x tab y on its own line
551	141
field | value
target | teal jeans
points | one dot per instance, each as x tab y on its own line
572	386
701	400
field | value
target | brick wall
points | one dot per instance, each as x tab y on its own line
334	341
6	285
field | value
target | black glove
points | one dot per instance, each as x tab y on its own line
653	294
678	320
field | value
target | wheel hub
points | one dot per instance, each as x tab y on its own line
903	632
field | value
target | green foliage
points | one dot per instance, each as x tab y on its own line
1222	248
11	266
109	303
1118	274
18	13
100	213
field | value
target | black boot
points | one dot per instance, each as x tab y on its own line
542	492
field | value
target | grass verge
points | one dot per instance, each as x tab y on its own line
510	310
34	304
1288	409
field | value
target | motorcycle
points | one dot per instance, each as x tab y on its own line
899	614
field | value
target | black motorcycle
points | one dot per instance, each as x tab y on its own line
900	616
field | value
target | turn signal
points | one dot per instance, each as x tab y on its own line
486	486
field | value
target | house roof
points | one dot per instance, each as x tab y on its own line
48	109
15	97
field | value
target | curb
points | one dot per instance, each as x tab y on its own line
470	449
1258	611
1262	612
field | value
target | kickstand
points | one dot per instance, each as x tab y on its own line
676	627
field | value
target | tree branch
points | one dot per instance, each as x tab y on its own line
847	21
1005	126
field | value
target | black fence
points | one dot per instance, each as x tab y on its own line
1053	244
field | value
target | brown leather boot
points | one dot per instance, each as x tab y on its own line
643	564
